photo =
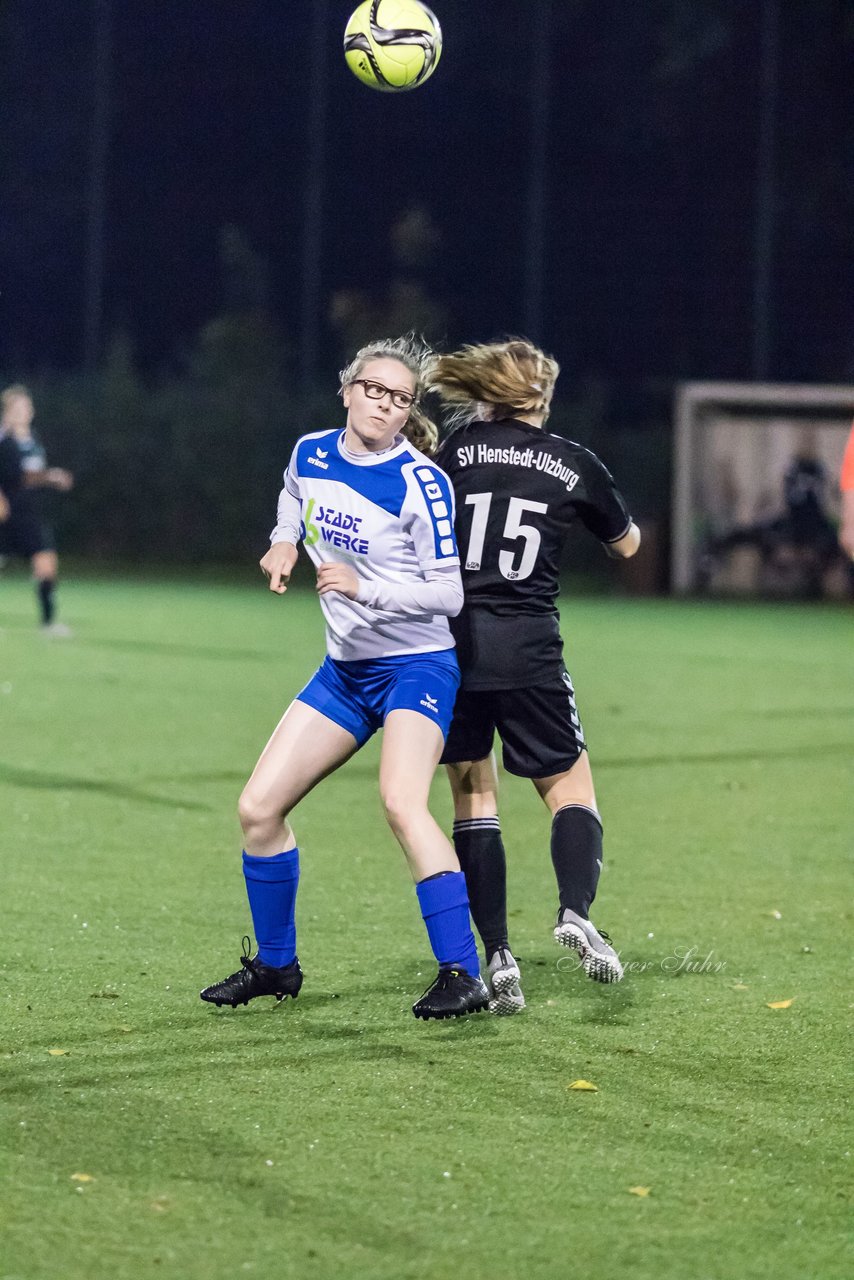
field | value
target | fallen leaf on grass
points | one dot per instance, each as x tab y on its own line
781	1004
584	1085
82	1177
125	1029
639	1191
777	915
57	1053
740	986
103	995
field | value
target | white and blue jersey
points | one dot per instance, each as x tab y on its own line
390	516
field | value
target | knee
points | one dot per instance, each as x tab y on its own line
400	808
256	818
44	566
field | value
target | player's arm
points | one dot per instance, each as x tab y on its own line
278	563
4	507
624	548
602	508
428	515
48	478
440	592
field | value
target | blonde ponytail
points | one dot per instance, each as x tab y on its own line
421	431
495	379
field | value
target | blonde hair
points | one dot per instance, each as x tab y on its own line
17	391
417	357
495	379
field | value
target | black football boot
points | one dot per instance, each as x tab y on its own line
255	979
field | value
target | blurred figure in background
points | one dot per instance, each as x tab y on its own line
797	546
846	484
518	491
24	475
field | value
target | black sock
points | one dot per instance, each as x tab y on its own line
577	855
480	850
44	591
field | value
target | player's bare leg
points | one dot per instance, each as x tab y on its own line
411	748
474	787
575	786
304	747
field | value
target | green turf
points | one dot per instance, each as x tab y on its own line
336	1136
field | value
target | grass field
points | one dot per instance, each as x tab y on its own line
152	1135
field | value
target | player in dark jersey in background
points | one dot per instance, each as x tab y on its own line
518	490
24	474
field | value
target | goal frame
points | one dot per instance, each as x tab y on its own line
694	402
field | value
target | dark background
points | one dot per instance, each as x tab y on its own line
203	211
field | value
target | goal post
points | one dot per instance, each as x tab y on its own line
734	442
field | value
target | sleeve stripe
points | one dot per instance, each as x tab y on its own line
608	541
438	498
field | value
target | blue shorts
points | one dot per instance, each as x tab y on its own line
359	695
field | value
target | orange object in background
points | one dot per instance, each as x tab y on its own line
846	477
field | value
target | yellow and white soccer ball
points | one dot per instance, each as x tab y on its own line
392	45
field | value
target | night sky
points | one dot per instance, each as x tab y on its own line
650	197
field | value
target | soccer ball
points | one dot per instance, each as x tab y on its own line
392	45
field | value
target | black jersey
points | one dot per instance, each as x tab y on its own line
11	469
23	533
518	490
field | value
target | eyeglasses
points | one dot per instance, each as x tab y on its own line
376	391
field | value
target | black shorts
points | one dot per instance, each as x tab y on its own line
539	728
24	536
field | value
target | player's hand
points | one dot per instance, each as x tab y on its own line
278	565
59	478
4	509
337	577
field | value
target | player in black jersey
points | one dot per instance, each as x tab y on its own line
518	490
24	474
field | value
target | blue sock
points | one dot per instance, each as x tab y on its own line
444	903
271	884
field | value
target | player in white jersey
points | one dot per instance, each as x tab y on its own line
375	516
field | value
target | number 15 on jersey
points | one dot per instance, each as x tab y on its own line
512	531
